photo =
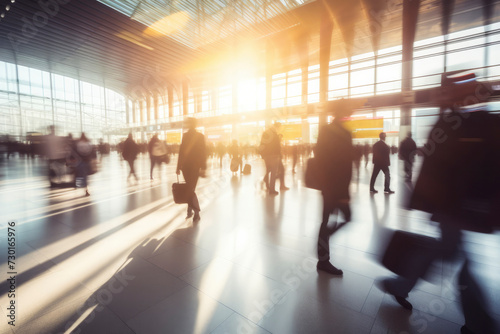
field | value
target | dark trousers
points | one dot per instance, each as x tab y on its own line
191	177
387	175
329	206
408	169
82	172
272	169
281	173
132	170
154	160
476	312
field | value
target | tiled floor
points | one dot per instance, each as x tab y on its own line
125	260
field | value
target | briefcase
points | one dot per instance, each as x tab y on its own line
180	192
312	175
410	254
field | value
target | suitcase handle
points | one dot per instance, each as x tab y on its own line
178	181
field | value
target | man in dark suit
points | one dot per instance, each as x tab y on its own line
193	163
381	162
270	150
334	153
407	152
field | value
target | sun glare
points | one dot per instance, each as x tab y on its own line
168	25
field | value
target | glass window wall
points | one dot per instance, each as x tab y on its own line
46	98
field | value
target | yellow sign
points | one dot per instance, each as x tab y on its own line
174	137
291	131
365	128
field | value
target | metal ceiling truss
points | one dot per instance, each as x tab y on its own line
105	40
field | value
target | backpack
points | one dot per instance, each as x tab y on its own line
159	149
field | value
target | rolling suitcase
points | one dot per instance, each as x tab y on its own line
180	192
247	169
409	254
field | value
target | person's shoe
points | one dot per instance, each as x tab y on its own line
388	191
273	192
327	267
196	217
373	191
87	193
465	330
403	302
284	188
189	214
385	286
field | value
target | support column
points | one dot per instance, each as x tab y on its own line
19	103
487	14
127	111
269	76
306	130
198	99
134	111
303	49
80	102
446	10
170	96
410	17
214	100
141	111
156	112
325	41
105	106
52	96
149	107
185	97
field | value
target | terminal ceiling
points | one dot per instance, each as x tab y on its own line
136	46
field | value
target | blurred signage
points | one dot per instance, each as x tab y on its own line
174	137
365	128
291	131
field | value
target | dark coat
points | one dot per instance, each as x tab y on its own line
151	144
270	144
130	149
381	153
192	152
407	149
459	178
334	152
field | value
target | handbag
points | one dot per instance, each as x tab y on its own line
165	158
180	192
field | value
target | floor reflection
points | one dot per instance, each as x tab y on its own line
126	260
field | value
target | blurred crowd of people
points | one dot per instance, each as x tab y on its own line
64	169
